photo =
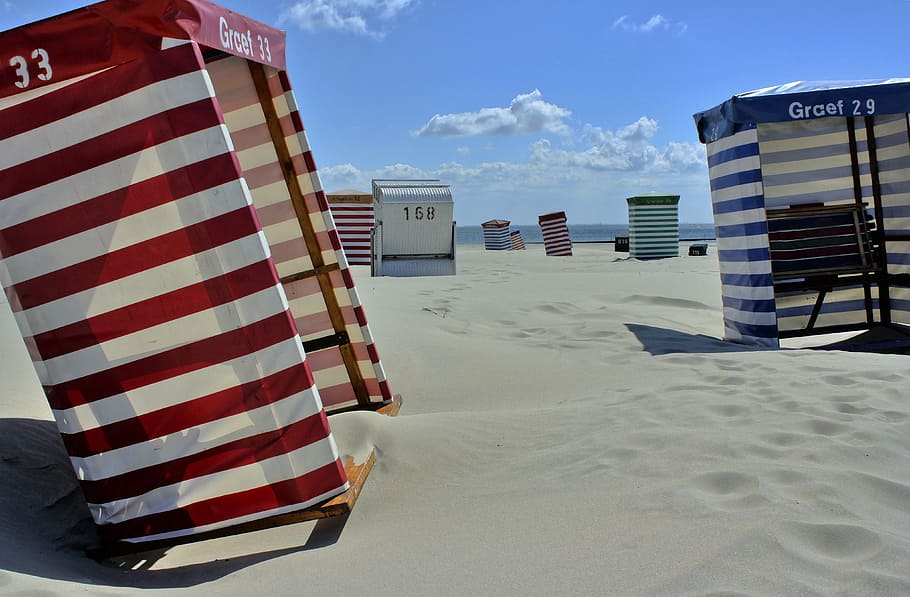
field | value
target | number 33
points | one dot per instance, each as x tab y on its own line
44	66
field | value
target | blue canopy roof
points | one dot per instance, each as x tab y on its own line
803	100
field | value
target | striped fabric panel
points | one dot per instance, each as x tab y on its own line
806	161
357	327
892	141
354	224
734	170
246	121
555	234
518	244
141	282
653	231
497	238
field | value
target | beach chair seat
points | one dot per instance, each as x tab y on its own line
820	248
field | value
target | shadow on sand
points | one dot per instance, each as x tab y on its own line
659	341
46	527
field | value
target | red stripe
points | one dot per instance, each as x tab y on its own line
335	396
156	310
103	87
284	80
335	239
348	278
298	122
311	167
137	258
108	147
172	363
179	417
385	389
559	215
811	233
261	499
119	204
847	251
232	454
321	200
371	350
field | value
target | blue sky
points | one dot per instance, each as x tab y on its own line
526	106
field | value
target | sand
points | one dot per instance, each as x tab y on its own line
571	426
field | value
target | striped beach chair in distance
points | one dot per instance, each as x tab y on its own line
354	220
518	244
555	234
496	235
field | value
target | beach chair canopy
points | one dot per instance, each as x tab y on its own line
168	254
810	186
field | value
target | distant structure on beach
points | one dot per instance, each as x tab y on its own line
354	220
415	229
653	226
518	244
496	235
555	234
810	185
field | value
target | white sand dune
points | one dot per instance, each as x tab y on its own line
570	426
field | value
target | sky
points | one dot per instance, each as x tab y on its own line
525	107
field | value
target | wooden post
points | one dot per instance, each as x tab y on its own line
320	270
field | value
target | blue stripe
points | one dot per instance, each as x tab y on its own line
735	179
747	280
733	153
741	204
757	254
896	211
741	230
898	258
749	305
894	188
808	153
753	331
809	176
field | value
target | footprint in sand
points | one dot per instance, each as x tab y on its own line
846	408
843	542
782	439
729	410
730	490
826	428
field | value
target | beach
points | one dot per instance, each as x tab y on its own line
570	426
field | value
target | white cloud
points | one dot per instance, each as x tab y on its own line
606	157
362	17
655	23
527	114
463	151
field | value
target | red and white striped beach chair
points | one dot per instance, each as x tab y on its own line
168	253
555	234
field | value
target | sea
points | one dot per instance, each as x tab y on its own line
581	233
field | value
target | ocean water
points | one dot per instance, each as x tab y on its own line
581	233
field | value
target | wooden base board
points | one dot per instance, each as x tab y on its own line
339	505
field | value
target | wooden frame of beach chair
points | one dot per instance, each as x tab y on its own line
169	255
